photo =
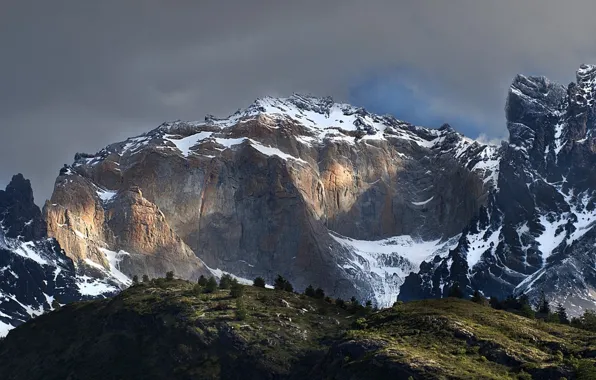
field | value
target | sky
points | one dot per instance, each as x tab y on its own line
77	75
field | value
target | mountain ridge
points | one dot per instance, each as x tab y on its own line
358	204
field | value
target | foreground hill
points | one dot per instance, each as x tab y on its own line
171	330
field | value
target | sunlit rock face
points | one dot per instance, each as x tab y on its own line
317	191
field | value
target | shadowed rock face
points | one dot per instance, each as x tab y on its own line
330	195
270	190
537	232
35	274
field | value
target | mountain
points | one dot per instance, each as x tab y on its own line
535	232
168	330
35	274
332	195
323	193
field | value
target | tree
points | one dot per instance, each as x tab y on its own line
309	291
283	284
288	287
341	303
170	276
495	303
135	279
202	280
553	318
279	283
587	321
145	278
455	291
211	285
543	304
526	311
478	298
55	304
562	313
236	290
259	282
225	282
319	293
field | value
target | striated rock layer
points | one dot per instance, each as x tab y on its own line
359	204
295	186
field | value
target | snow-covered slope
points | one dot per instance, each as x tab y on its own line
535	232
35	274
337	157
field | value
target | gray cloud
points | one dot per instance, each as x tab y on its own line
77	75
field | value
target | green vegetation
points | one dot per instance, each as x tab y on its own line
225	282
259	282
211	285
283	284
173	329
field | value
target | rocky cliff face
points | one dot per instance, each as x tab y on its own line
323	193
331	195
535	233
35	274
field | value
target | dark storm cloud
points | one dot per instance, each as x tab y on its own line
77	75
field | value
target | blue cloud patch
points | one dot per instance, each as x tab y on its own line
409	97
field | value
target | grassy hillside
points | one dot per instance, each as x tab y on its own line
170	330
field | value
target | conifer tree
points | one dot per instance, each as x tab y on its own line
211	285
202	280
455	291
562	313
309	291
259	282
319	293
236	290
225	282
543	304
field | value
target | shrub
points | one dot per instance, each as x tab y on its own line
225	282
524	375
211	285
197	289
585	370
145	278
169	276
202	281
360	324
240	312
135	279
259	282
341	303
